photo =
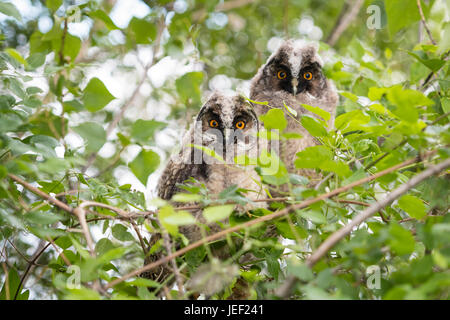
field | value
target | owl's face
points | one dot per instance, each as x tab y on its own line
294	69
227	125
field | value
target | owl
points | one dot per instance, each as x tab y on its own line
224	131
293	76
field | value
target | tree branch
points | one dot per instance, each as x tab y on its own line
176	271
285	290
345	19
42	194
422	17
265	218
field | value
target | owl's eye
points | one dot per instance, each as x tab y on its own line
213	123
240	125
281	75
307	75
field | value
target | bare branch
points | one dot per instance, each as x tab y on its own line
344	21
81	215
422	17
40	193
39	251
285	290
265	218
5	270
176	271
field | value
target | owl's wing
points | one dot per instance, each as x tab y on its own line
174	173
180	167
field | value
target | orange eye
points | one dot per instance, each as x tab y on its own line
240	125
213	123
307	75
281	75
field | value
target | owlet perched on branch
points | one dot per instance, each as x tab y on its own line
228	126
293	76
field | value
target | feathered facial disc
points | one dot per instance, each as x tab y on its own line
228	125
296	69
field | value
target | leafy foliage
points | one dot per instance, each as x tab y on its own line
74	132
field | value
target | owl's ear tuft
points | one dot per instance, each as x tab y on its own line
310	54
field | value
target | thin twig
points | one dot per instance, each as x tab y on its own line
36	256
40	193
285	290
5	269
81	215
422	16
141	239
63	38
18	251
63	256
176	271
344	21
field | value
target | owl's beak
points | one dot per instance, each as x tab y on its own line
294	85
228	136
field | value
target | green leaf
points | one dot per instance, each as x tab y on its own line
164	213
120	232
53	5
313	156
188	88
63	242
314	127
406	101
274	120
13	286
143	30
146	162
217	213
93	134
142	282
321	157
351	121
319	111
104	245
432	64
413	206
290	231
43	218
299	270
10	9
51	187
291	135
400	14
3	172
143	130
401	240
179	218
17	56
186	197
195	257
314	216
72	105
82	294
272	169
101	15
72	46
96	96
